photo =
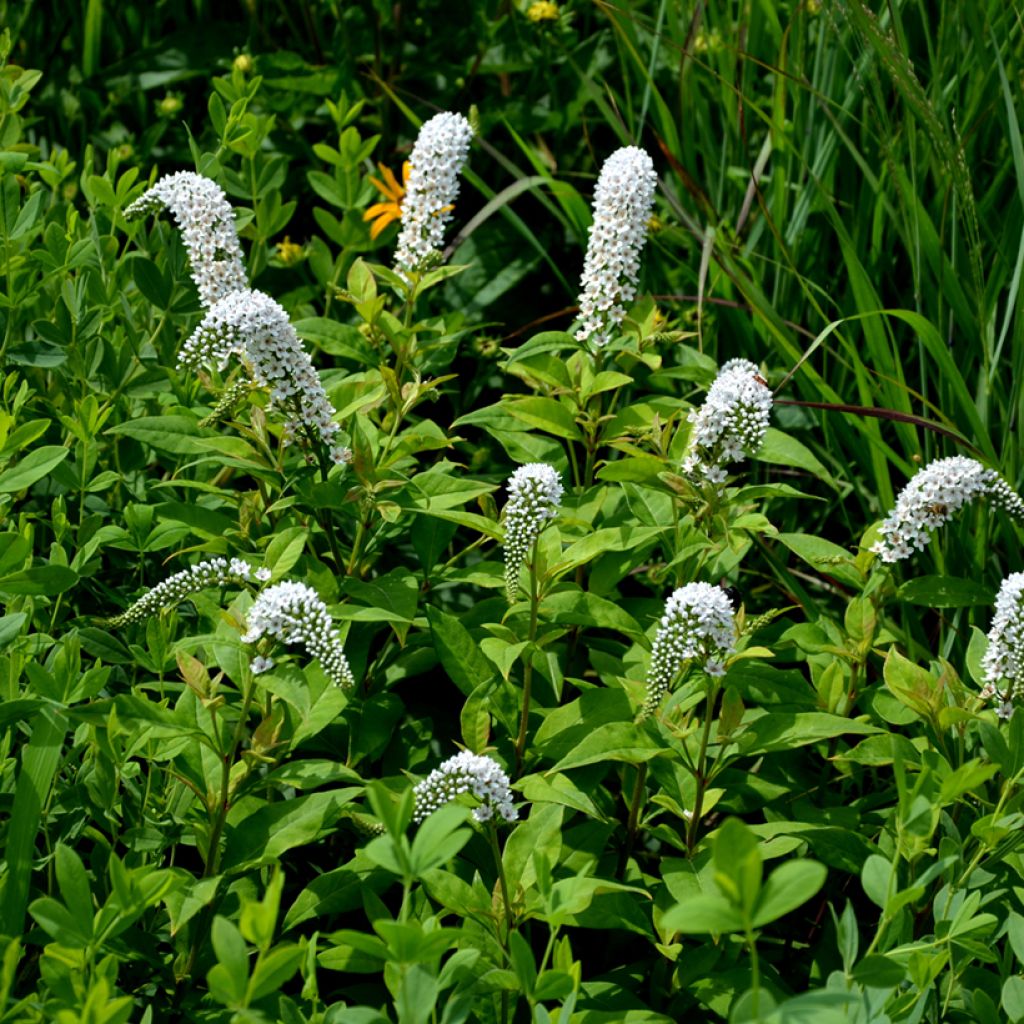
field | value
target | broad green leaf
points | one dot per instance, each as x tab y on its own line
168	433
945	592
789	886
32	467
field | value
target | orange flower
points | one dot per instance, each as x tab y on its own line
382	214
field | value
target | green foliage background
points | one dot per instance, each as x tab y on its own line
841	200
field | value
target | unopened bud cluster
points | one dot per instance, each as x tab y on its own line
534	493
467	773
1003	663
932	498
623	201
731	424
207	226
214	572
292	613
253	327
437	159
698	625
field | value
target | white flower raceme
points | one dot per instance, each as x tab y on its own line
437	159
207	227
467	773
931	499
256	329
698	625
214	572
1003	663
623	201
292	613
731	423
534	492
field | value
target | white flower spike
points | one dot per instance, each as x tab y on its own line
698	625
207	226
256	329
214	572
731	424
292	613
623	201
1003	664
437	159
534	493
932	498
467	773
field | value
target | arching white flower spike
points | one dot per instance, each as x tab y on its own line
932	498
698	625
623	201
534	492
292	613
437	159
214	572
256	329
1003	663
207	226
731	424
467	773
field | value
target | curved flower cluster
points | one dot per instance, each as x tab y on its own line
931	499
438	157
467	773
623	201
731	423
698	624
1004	659
207	227
214	572
534	492
292	613
252	326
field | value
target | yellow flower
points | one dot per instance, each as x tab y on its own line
288	252
382	214
542	10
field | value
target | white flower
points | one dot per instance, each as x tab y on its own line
292	613
534	492
263	575
467	773
214	572
207	226
731	424
438	157
698	625
259	664
623	201
256	329
931	499
1003	663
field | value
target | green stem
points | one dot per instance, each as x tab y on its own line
635	806
755	974
701	774
528	664
492	832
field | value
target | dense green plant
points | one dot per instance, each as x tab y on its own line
745	721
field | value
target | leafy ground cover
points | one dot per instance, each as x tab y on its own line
395	631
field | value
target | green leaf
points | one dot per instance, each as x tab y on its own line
154	285
167	433
738	865
40	579
789	886
73	882
39	762
458	652
616	741
780	449
233	958
272	830
710	912
579	608
274	970
945	592
545	414
32	467
785	731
